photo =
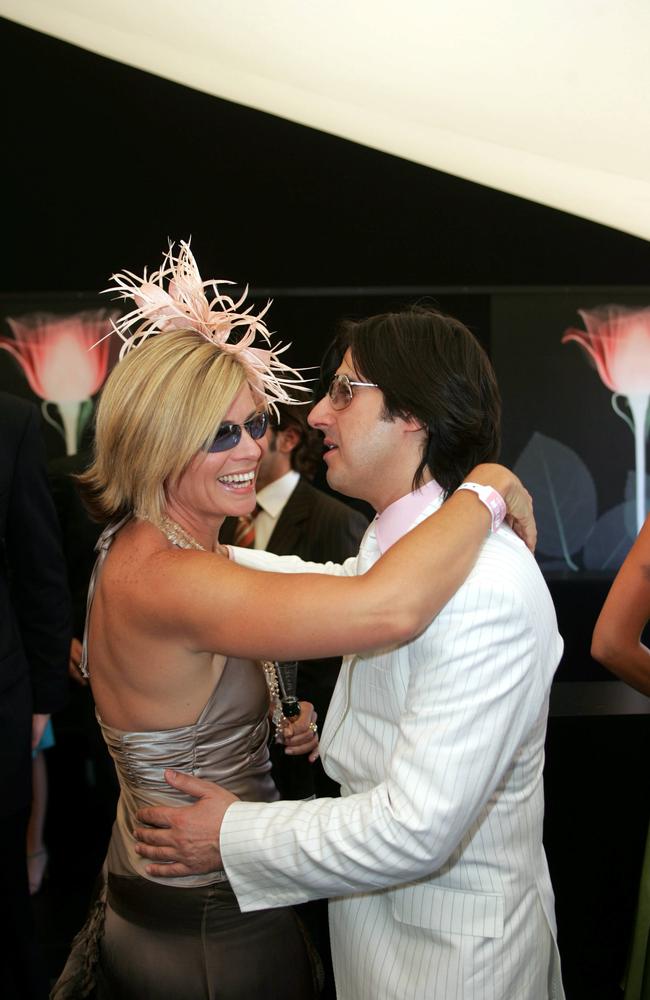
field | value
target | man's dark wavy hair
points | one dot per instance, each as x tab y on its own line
428	366
307	456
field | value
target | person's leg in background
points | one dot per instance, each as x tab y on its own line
36	850
22	976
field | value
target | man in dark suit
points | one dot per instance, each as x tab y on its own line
294	518
34	644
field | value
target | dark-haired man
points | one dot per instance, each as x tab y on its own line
434	854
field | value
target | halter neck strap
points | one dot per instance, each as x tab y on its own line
102	546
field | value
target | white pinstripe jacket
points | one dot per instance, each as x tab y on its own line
433	859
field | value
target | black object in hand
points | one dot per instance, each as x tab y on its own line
290	708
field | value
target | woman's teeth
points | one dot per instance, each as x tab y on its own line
238	479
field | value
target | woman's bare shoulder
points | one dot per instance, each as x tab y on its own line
146	573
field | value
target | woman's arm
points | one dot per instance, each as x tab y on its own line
216	605
616	640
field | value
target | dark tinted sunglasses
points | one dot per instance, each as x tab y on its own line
229	435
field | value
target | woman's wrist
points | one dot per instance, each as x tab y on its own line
491	474
490	498
519	505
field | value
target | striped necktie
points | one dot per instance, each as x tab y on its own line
244	536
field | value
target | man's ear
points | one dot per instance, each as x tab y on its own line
287	440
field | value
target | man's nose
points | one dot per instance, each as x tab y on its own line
320	415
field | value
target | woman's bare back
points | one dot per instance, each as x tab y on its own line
143	673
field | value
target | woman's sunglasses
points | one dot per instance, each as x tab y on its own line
229	435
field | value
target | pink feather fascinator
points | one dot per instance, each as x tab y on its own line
174	298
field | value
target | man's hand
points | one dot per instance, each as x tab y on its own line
184	838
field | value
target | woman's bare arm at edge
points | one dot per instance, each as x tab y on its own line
211	604
616	641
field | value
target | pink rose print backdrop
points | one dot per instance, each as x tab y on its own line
61	359
617	341
585	467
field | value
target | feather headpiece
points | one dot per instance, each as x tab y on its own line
183	305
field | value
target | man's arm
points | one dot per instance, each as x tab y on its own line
478	682
270	563
476	689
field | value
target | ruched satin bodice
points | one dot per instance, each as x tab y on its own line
228	744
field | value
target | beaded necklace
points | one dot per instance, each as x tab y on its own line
277	716
177	535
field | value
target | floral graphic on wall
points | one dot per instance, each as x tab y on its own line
65	360
573	534
617	340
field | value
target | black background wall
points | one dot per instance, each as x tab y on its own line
102	163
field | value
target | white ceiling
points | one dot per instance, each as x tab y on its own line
546	100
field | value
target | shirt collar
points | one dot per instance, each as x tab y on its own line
273	497
402	514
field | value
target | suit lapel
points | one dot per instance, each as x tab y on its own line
368	554
285	536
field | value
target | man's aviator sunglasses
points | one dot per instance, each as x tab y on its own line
229	435
340	390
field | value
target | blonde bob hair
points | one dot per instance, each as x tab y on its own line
160	406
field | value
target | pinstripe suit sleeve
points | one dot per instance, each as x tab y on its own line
477	681
271	563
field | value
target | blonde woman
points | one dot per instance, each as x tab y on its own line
175	631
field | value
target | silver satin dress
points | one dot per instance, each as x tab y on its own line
186	939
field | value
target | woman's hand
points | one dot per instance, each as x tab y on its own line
300	735
74	663
517	499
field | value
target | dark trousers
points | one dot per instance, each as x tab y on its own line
22	976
